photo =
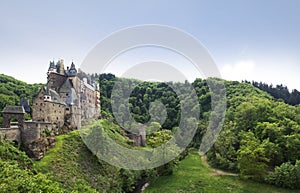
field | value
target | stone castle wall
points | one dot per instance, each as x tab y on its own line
11	134
74	116
30	132
56	80
45	111
34	130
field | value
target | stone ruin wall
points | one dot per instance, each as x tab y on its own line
11	134
38	137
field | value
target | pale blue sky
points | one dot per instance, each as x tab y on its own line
251	39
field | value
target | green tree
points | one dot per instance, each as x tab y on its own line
158	138
252	160
15	179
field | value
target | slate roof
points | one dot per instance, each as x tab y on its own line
25	104
55	96
72	98
14	109
72	71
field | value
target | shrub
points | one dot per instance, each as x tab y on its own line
287	176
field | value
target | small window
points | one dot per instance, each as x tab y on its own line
67	94
56	118
67	109
40	109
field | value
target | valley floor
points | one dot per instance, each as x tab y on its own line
192	175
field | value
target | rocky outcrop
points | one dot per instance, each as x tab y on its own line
37	149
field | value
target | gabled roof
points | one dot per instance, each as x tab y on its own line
14	109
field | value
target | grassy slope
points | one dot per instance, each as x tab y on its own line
192	176
70	162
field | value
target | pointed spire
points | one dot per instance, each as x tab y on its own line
52	67
72	71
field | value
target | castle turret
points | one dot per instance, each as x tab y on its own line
60	67
72	71
47	96
52	67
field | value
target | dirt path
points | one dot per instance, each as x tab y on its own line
216	172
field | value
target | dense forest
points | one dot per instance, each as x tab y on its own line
260	137
279	92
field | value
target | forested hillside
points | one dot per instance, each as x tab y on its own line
260	137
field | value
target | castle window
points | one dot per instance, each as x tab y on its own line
40	109
56	118
67	109
53	104
41	104
67	94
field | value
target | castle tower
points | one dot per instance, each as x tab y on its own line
60	67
